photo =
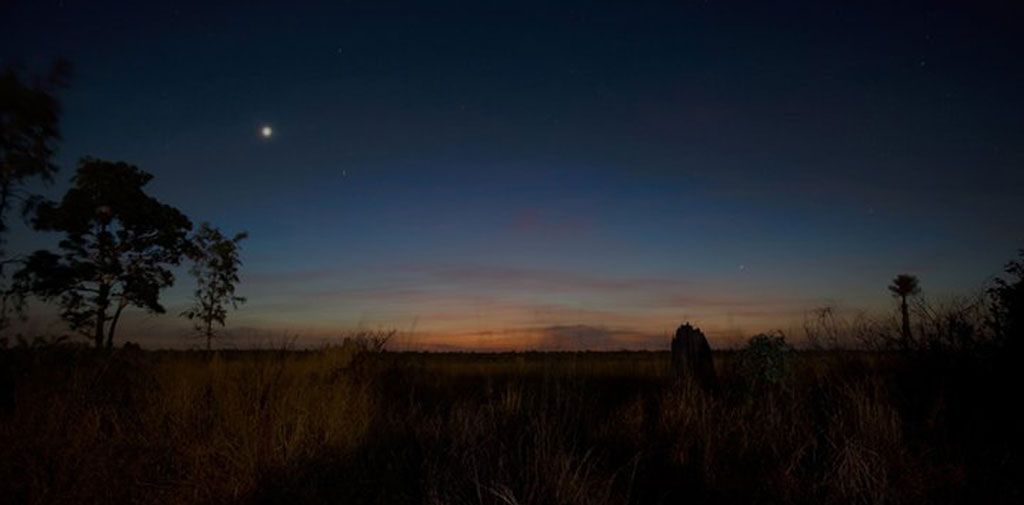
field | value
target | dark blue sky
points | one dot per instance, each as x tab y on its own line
505	174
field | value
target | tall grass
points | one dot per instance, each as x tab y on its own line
345	426
170	429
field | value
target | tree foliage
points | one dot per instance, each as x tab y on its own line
118	243
29	120
215	267
905	285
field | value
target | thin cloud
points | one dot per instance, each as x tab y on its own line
536	221
596	338
517	277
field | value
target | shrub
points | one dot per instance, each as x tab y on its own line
765	361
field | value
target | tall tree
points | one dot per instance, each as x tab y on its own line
117	247
29	117
215	268
904	286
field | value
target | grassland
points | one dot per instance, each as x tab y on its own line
339	426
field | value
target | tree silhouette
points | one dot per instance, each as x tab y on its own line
29	114
215	268
902	286
117	245
1007	305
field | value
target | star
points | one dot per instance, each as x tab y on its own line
266	131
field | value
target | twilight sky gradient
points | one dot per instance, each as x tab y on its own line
507	175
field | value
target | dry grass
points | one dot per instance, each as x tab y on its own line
173	429
336	426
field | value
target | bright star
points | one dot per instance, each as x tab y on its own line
266	131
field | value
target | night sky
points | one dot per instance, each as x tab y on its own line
503	175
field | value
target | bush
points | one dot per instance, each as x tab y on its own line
765	361
1006	307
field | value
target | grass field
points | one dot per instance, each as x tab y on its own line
340	426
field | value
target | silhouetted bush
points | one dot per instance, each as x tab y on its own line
766	360
1006	305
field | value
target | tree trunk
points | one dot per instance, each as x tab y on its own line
105	284
906	323
113	324
5	190
102	300
97	336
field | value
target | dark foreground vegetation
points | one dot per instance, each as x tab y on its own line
343	426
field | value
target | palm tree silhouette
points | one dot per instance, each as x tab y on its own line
902	286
